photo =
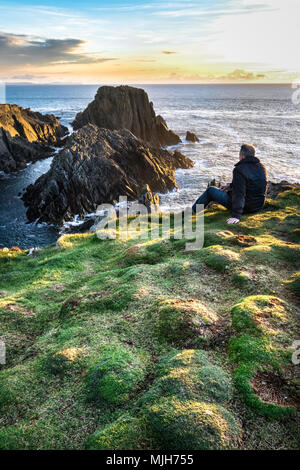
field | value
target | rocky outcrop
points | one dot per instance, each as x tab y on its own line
191	137
149	199
26	136
164	135
31	125
126	107
16	152
97	166
273	189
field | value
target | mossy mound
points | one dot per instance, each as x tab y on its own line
259	314
60	361
259	321
214	384
219	237
219	258
241	278
116	374
295	235
191	425
123	434
180	320
190	374
294	283
146	253
180	359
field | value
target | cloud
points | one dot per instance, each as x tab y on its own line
169	52
20	49
240	74
27	76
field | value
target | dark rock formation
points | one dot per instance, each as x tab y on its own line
26	136
83	227
191	137
149	199
126	107
16	152
31	125
164	134
273	188
97	166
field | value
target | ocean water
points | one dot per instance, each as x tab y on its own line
223	117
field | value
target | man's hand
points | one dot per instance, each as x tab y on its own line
224	187
232	220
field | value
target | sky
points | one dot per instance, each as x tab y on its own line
141	41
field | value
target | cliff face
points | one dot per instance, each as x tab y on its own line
97	166
126	107
16	152
26	136
31	125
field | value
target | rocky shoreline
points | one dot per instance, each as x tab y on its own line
116	149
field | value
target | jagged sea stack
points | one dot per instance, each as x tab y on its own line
126	107
97	166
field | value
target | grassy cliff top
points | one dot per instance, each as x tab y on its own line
143	345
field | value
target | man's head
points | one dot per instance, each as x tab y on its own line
247	151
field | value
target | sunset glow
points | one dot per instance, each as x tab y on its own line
139	41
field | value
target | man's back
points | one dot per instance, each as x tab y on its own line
249	186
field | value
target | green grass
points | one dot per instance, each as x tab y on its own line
108	342
259	320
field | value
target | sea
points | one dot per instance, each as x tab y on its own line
222	116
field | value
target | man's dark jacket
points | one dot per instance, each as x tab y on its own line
248	187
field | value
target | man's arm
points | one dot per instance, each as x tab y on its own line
238	194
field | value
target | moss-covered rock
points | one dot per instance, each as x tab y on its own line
259	314
190	374
116	374
123	434
60	361
191	425
293	283
177	321
241	278
218	257
180	359
214	384
259	321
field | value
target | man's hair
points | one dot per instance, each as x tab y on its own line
248	150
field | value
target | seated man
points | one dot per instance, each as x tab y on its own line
246	193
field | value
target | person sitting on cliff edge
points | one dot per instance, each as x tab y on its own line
246	193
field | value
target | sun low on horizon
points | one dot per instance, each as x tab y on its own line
141	41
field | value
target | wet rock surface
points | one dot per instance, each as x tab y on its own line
190	136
